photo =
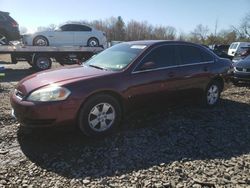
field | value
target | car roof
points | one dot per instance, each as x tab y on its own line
155	42
75	23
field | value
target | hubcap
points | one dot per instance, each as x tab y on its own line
93	42
212	94
101	117
43	63
41	42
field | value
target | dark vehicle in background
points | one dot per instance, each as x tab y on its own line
242	55
96	95
221	51
242	70
9	30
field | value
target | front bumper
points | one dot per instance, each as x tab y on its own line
241	76
44	114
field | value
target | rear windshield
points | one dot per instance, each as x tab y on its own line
233	46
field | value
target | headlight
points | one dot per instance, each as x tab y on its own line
51	93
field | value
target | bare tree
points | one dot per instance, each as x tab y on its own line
167	33
120	29
199	34
243	30
50	27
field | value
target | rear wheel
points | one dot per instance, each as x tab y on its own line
212	93
40	41
93	42
99	116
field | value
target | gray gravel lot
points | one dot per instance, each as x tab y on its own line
185	145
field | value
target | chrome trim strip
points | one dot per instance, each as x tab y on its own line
175	66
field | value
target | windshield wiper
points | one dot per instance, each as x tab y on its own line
97	67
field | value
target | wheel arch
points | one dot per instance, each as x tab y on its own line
114	94
218	79
93	37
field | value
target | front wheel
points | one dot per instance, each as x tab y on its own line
212	94
99	116
40	41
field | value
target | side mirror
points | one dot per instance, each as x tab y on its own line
148	65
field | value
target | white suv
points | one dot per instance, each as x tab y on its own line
237	47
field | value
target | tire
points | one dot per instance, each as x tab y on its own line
40	41
99	116
93	42
42	63
212	94
3	39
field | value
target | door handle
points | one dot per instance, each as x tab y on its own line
171	74
205	69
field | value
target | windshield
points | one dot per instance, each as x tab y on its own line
233	45
117	57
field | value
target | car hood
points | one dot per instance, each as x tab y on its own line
58	76
242	64
38	33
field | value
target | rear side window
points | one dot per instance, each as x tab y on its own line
189	54
162	57
80	28
84	28
206	56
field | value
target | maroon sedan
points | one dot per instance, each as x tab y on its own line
95	95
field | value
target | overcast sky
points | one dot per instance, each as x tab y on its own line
184	15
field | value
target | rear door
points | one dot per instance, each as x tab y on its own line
195	66
82	33
64	36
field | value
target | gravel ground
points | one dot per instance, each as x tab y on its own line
177	146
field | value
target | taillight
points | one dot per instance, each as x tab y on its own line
14	24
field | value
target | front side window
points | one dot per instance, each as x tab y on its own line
66	27
159	58
234	46
117	57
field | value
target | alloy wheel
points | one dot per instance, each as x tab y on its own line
212	94
41	42
101	117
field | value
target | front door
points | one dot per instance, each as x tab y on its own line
154	77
